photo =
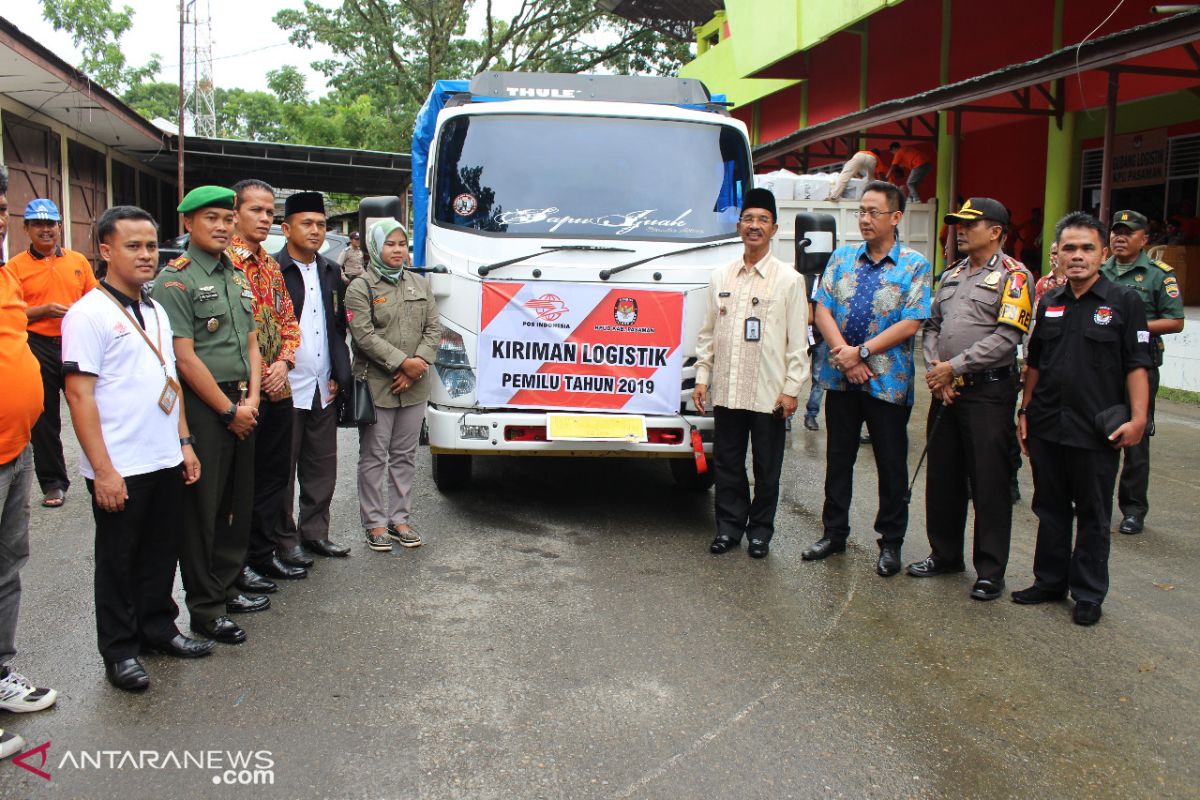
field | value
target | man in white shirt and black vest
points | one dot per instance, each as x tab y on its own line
753	353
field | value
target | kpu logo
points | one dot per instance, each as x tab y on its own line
625	311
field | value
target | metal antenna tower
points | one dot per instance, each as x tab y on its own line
201	105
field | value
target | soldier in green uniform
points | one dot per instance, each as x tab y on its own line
1156	284
216	349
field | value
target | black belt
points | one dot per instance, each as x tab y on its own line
977	378
55	339
233	389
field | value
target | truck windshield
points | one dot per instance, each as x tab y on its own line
590	177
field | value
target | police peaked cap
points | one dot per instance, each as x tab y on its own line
303	201
979	208
207	197
761	198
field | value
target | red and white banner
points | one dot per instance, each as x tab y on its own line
579	346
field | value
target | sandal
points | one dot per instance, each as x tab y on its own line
54	498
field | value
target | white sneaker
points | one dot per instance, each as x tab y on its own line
19	695
10	743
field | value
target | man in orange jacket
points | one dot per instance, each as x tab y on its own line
51	279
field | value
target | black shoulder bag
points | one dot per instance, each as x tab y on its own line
358	408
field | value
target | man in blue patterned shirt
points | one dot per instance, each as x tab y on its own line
869	307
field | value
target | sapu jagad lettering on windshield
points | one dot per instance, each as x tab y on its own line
622	223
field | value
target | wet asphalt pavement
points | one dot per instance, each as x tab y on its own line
564	633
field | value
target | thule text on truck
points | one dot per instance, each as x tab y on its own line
569	225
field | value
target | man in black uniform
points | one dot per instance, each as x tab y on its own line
1088	357
980	312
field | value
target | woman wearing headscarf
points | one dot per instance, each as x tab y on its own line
395	333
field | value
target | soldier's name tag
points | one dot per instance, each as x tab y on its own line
169	396
753	331
205	296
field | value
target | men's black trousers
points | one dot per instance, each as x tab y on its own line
1135	474
272	461
48	461
314	468
972	447
1072	484
736	512
887	423
136	550
216	523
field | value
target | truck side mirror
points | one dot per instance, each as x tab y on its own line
816	238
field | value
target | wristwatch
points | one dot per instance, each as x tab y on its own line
186	440
1020	412
230	414
863	352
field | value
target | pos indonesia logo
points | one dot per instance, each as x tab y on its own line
549	307
625	311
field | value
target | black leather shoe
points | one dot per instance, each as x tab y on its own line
931	566
275	568
180	646
758	548
722	544
1130	525
823	548
1086	613
889	559
987	589
247	604
221	629
128	674
1035	595
326	547
295	556
250	581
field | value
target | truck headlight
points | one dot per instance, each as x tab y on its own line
453	366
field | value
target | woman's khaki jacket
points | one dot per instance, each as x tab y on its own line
404	324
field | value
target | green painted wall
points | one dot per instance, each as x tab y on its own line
763	32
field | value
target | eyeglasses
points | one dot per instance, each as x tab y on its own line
872	213
761	220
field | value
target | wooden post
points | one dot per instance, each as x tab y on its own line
955	138
1110	131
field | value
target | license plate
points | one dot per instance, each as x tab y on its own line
595	428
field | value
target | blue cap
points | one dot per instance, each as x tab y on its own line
42	209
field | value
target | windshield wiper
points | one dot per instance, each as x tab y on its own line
486	268
605	274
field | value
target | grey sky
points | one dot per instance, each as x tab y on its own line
238	27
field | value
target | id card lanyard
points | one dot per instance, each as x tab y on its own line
170	393
752	327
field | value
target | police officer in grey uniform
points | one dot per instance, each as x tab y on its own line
216	349
980	313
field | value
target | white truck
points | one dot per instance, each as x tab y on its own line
569	225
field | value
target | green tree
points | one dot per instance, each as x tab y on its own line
154	99
394	51
97	29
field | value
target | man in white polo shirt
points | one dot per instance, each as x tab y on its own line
127	411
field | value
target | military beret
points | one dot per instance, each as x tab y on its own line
207	197
1130	219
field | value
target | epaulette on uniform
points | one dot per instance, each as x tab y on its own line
179	263
1011	264
1165	267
